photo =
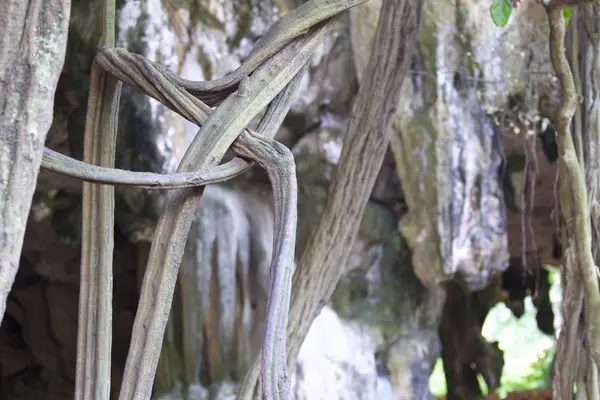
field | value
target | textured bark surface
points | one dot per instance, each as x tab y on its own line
32	50
579	272
369	130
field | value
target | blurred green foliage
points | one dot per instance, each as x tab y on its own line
528	352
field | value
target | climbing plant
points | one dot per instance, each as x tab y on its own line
501	10
223	108
578	348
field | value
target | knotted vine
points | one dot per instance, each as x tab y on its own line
268	78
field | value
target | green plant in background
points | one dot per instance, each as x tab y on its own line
536	377
528	352
523	374
501	10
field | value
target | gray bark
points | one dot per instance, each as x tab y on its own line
322	263
33	41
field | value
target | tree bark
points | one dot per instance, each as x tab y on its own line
33	41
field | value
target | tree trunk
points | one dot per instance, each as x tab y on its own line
32	52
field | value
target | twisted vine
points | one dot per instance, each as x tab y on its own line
268	78
580	280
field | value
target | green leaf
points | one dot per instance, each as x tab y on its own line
567	13
501	10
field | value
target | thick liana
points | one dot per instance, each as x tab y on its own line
215	136
278	161
94	332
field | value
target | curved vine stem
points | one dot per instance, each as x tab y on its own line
268	126
215	136
289	27
67	166
365	142
279	56
278	161
573	202
368	135
155	83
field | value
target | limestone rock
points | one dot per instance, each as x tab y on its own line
216	323
446	153
337	361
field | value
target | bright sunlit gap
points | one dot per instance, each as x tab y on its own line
527	351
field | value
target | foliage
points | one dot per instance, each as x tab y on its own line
437	381
537	377
567	12
528	352
501	10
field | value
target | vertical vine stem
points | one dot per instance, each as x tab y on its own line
368	134
278	161
578	131
579	263
94	334
268	126
215	136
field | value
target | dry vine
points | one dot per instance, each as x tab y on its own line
269	77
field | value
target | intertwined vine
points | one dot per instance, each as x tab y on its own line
268	78
223	108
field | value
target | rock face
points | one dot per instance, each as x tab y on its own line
337	361
216	325
437	212
447	151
